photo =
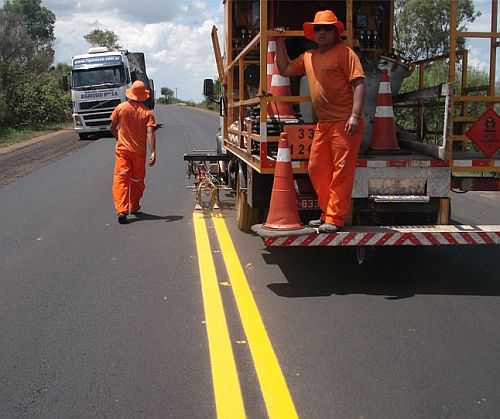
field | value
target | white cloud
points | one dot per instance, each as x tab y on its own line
174	35
479	48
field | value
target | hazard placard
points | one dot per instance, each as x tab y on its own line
299	140
485	132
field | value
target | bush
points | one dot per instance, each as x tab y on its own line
38	99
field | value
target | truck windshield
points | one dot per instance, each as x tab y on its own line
98	77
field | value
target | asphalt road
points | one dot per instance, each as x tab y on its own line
106	320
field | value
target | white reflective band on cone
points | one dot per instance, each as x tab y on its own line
384	112
384	87
270	68
278	80
283	155
272	46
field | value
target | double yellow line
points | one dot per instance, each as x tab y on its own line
228	397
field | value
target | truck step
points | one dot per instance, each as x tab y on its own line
431	235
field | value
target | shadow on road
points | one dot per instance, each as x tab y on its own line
144	216
395	273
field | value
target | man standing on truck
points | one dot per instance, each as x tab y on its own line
336	81
133	125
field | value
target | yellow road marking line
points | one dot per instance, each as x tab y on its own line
272	383
227	390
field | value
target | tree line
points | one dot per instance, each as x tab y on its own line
30	82
30	91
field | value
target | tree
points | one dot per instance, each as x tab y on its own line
99	38
167	93
422	26
29	93
38	20
27	31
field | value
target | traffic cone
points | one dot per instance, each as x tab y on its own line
271	53
383	140
283	212
277	85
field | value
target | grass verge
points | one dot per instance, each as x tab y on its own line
14	135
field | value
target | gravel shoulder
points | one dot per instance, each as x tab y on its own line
21	159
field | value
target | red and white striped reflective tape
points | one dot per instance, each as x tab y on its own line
302	164
476	163
401	163
395	236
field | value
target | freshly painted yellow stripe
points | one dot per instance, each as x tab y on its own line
227	390
272	383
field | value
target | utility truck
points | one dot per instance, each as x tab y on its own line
98	82
448	135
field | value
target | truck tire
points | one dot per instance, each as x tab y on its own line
83	136
246	216
364	255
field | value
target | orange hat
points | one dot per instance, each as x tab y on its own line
138	91
323	17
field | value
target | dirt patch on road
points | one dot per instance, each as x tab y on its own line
22	159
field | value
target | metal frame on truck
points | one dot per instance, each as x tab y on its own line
389	190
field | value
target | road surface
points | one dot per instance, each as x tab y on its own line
140	320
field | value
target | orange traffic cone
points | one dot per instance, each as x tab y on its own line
283	212
277	85
384	139
271	53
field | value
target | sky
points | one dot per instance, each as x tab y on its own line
479	48
175	36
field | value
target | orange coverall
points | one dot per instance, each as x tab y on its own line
133	119
332	160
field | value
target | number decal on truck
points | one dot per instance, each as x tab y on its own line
299	140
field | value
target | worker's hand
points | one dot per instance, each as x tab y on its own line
279	31
152	159
352	125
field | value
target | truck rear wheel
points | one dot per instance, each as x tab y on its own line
246	216
364	255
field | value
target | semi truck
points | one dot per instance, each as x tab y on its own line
98	82
448	135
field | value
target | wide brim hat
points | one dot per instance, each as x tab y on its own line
323	17
137	91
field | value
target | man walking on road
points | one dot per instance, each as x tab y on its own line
133	125
336	80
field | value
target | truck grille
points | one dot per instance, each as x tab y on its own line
100	104
97	123
92	116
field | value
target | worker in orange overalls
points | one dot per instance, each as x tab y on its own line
336	81
133	125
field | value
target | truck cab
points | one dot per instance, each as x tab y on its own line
99	80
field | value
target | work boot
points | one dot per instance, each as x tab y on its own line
315	223
122	218
328	228
135	212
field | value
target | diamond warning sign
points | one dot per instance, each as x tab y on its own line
485	132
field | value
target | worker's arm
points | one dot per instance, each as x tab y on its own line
152	145
358	88
114	129
282	59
